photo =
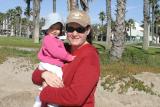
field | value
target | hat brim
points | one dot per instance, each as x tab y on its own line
77	21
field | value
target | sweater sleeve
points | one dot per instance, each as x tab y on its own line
56	49
36	77
83	84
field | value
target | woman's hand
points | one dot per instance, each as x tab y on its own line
52	79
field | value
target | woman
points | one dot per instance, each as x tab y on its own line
80	77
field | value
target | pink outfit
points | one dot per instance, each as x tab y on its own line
53	51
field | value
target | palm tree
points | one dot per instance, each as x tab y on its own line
54	6
74	4
118	40
157	21
36	14
102	16
19	14
11	21
108	12
146	24
153	4
1	22
28	8
131	24
84	4
28	13
42	22
24	26
6	21
102	28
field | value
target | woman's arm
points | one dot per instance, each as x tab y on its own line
83	84
52	79
36	77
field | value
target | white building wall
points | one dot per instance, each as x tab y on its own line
136	32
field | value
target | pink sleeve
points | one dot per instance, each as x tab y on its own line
57	49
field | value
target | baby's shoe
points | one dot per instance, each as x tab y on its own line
37	102
52	105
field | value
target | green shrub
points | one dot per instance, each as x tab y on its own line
12	52
134	60
135	55
17	42
99	47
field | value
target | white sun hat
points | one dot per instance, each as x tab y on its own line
51	19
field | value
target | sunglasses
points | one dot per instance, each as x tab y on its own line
78	29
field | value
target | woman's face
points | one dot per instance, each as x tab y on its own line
76	34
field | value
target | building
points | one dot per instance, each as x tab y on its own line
135	33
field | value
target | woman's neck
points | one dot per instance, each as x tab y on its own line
73	48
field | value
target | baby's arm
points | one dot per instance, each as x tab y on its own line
57	50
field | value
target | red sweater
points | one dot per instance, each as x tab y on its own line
80	78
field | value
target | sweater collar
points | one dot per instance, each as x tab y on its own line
79	50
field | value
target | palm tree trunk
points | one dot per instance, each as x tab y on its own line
156	33
28	17
108	10
84	5
130	32
12	31
20	27
28	28
118	40
72	5
146	25
54	6
36	10
153	21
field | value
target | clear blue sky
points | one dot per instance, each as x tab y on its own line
134	8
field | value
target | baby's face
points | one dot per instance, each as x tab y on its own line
55	29
55	32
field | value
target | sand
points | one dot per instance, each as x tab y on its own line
17	89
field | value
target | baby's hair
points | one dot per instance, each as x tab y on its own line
57	26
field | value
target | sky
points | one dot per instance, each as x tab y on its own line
134	8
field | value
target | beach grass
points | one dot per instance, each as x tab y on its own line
18	42
6	52
134	60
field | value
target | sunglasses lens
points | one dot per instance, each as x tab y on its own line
70	29
79	29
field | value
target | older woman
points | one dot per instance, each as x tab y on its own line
80	77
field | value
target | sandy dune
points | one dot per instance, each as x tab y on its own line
17	89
